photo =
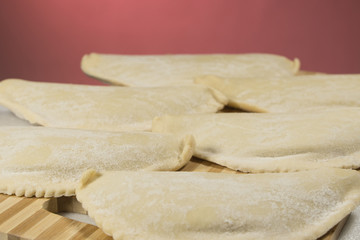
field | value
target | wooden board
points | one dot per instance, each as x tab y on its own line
35	218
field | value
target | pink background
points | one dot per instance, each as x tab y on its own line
44	40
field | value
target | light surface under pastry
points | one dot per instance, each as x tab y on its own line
7	118
184	205
272	142
109	108
288	94
180	69
38	161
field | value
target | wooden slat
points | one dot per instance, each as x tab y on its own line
99	235
41	225
7	203
29	208
2	198
28	223
61	229
14	209
85	232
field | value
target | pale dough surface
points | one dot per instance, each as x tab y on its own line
110	108
7	118
187	205
39	161
272	142
288	94
173	70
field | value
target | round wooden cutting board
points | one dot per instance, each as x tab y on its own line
35	218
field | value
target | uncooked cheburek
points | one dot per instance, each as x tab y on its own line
288	94
272	142
103	107
180	69
38	161
186	205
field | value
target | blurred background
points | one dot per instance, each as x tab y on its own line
44	40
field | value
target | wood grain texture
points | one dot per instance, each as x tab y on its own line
35	218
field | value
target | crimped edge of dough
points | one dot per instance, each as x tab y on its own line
49	191
215	103
329	222
88	177
352	200
100	221
18	109
35	119
187	149
219	97
89	61
268	167
277	165
23	113
203	80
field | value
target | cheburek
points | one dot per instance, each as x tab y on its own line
109	108
180	69
272	142
38	161
187	205
288	94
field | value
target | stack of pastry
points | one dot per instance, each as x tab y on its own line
117	148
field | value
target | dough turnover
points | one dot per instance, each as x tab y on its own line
173	70
272	142
103	107
186	205
38	161
289	94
